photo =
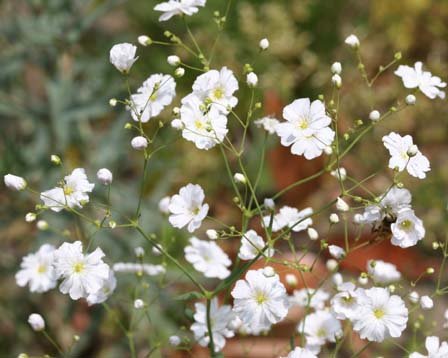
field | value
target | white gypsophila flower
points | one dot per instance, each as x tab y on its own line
426	303
352	41
336	80
341	205
73	192
309	297
434	347
174	341
144	40
312	233
268	271
173	60
139	304
105	176
251	245
299	352
82	274
30	217
410	99
14	182
208	258
291	279
204	129
187	208
152	97
138	268
212	234
388	207
260	301
415	77
264	44
36	270
122	56
374	116
269	203
417	165
105	291
216	88
407	230
221	324
139	143
319	327
172	8
336	251
344	304
383	272
307	128
340	174
336	68
380	315
333	218
252	79
36	321
268	123
290	217
164	205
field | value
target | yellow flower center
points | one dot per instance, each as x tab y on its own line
404	155
41	269
153	97
78	267
198	124
218	93
321	332
68	190
406	224
378	313
260	298
303	124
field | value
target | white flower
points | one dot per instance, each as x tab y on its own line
83	274
312	233
122	56
139	304
37	270
374	116
336	80
239	178
36	322
380	315
252	79
292	218
105	176
336	68
434	348
186	208
263	44
73	193
221	321
105	291
398	147
340	174
352	41
341	205
410	99
334	218
426	303
407	230
204	129
336	251
150	270
344	304
319	327
152	97
173	60
383	272
251	245
174	341
113	102
164	205
30	217
217	88
268	123
309	297
171	8
260	301
208	258
307	128
212	234
269	203
144	40
417	78
14	182
299	352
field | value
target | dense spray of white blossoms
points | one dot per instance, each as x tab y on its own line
405	155
307	128
204	128
251	245
73	192
380	315
36	270
152	97
260	301
221	321
122	56
82	275
434	347
383	272
208	258
291	218
172	8
187	208
415	77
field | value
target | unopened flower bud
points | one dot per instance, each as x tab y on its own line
336	80
173	60
144	40
426	303
42	225
414	297
36	322
374	116
177	124
112	224
312	233
331	264
336	68
138	304
164	204
240	178
337	278
112	102
336	251
212	234
340	174
291	280
412	150
341	205
174	341
264	44
357	219
268	271
105	176
430	270
139	251
30	217
334	218
410	99
252	79
176	111
363	280
352	41
14	182
139	143
328	150
179	72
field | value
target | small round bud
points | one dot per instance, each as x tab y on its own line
179	72
332	265
164	204
30	217
363	280
391	288
36	322
414	297
336	80
212	234
177	124
268	271
144	40
128	126
112	224
139	252
14	182
139	143
174	341
76	338
357	219
337	278
336	251
435	245
334	218
269	203
105	176
410	99
240	178
412	150
328	150
374	116
397	56
426	303
263	44
173	60
176	111
336	68
291	280
42	225
113	102
138	304
252	79
55	159
341	205
312	233
430	270
352	41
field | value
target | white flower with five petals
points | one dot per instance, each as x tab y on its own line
172	8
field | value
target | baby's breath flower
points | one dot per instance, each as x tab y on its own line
291	279
139	304
336	68
336	80
212	234
105	176
173	60
139	143
352	41
426	303
36	322
144	40
42	225
30	217
341	205
179	72
122	56
14	182
410	99
334	218
252	79
374	116
174	341
239	178
263	44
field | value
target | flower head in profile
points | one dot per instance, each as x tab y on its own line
82	274
36	270
268	123
407	230
221	322
260	301
251	245
307	128
172	8
383	272
14	182
415	77
405	155
204	128
122	56
105	291
207	257
290	217
152	97
434	347
72	193
380	315
187	208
